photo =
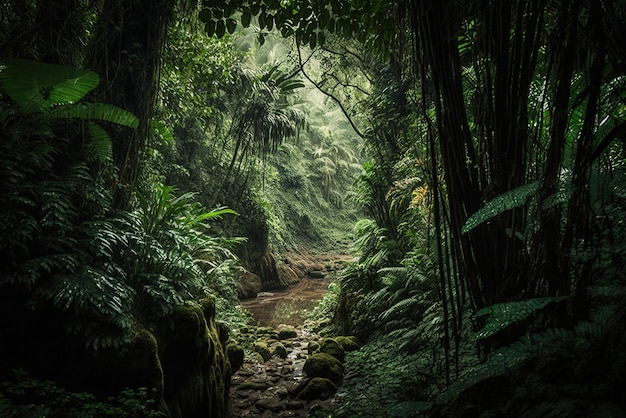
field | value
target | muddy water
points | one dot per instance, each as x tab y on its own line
287	306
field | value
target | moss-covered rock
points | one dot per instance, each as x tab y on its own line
286	332
247	284
312	347
256	357
280	351
332	347
324	365
349	343
267	332
262	348
318	388
195	364
235	356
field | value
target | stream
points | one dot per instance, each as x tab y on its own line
287	306
269	388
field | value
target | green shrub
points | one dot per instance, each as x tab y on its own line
29	397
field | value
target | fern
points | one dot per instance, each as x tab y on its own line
400	308
101	143
508	359
502	315
509	200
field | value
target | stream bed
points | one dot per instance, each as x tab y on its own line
287	306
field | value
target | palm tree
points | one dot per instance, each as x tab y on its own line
261	118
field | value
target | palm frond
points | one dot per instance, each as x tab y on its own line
509	200
95	111
36	86
502	315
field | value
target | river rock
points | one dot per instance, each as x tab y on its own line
261	348
312	347
235	356
318	388
332	347
349	343
324	365
286	332
247	284
280	351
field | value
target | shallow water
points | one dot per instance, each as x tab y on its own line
287	306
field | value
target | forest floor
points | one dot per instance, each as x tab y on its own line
268	388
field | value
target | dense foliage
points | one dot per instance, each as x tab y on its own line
487	274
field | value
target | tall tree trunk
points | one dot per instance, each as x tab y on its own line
126	51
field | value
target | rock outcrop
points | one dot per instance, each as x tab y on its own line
185	367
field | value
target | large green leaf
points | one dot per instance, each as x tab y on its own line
36	86
501	315
506	201
96	111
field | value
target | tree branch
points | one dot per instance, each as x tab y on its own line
328	94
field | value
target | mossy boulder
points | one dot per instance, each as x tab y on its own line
235	356
280	351
312	347
247	284
262	348
349	343
256	357
267	332
318	388
195	364
324	365
332	347
286	332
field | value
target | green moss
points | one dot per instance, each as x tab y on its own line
287	332
262	348
312	347
318	388
235	356
280	351
332	347
324	365
349	343
195	364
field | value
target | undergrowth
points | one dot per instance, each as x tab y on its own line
27	397
382	380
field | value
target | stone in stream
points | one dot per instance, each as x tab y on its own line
318	388
286	332
349	343
261	348
324	365
312	347
235	356
332	347
280	351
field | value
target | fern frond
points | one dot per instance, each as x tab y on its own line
510	358
101	143
399	308
501	315
506	201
